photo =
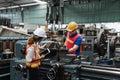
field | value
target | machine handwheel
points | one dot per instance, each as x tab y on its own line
101	43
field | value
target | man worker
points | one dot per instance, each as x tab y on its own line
73	39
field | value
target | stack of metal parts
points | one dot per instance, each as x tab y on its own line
8	44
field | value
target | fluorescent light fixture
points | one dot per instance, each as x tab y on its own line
41	2
22	5
38	2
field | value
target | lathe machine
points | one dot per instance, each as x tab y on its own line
7	52
59	65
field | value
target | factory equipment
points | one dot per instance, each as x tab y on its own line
106	46
4	69
103	46
59	65
7	52
20	49
99	73
49	63
88	49
64	70
18	70
54	13
50	69
8	45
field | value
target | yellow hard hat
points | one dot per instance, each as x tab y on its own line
72	26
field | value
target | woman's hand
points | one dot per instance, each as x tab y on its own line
43	46
42	56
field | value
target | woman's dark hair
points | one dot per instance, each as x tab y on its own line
30	41
33	39
36	38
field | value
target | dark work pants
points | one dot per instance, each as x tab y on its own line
34	74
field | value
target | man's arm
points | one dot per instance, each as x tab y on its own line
76	44
74	48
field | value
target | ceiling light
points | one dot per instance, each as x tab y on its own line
41	2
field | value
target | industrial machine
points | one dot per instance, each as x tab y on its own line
7	52
18	70
63	71
95	63
55	56
102	45
59	65
4	69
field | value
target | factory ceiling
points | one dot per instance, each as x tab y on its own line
9	3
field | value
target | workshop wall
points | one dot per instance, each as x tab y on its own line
13	14
92	11
31	15
81	11
35	14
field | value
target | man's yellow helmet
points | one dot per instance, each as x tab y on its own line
72	26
